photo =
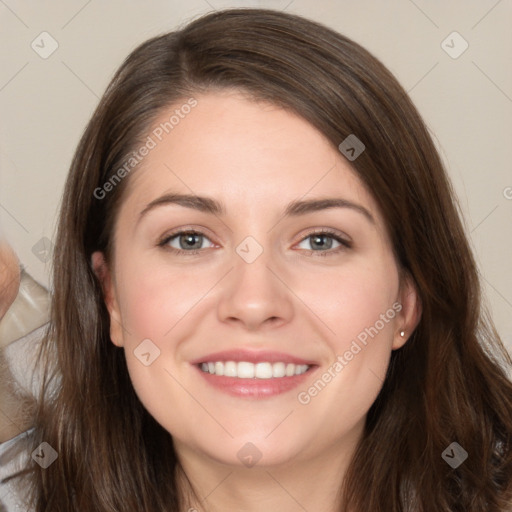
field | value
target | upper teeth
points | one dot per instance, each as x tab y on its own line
246	370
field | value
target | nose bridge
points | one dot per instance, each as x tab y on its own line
252	265
252	279
253	294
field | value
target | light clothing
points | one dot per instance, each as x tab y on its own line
21	331
14	456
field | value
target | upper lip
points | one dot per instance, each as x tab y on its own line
259	356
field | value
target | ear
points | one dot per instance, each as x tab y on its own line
410	313
104	275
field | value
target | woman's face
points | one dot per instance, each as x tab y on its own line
268	282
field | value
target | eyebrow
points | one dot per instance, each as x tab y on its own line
293	209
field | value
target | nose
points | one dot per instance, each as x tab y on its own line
255	296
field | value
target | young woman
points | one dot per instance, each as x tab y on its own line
264	297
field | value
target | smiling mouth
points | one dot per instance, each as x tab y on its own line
248	370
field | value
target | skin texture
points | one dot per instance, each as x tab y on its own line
9	277
255	158
11	412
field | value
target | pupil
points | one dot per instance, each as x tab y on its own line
188	240
321	241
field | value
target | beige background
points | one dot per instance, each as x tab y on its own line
466	101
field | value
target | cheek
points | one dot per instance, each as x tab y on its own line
353	299
359	307
157	306
153	300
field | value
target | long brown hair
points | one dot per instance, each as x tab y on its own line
449	383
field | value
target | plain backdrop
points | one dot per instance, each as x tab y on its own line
461	82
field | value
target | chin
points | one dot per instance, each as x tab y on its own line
251	451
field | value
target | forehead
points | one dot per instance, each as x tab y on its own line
247	154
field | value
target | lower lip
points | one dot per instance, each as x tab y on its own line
255	388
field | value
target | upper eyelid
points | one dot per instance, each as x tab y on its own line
327	231
180	231
194	233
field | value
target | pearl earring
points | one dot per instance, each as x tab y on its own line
402	333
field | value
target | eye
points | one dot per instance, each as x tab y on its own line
190	242
324	242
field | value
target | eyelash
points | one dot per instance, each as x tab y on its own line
344	244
